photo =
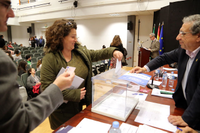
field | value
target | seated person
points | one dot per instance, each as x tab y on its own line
5	47
28	59
22	68
39	64
32	80
10	45
17	55
9	54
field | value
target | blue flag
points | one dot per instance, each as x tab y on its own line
161	51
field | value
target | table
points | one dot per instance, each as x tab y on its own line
86	113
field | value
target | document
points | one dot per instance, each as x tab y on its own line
91	126
157	92
140	78
148	129
154	114
77	80
170	69
155	82
118	68
127	128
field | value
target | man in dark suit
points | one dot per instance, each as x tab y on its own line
16	116
2	41
155	46
187	93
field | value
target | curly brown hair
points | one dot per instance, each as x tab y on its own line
55	34
116	41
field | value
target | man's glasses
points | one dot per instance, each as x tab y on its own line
6	4
183	33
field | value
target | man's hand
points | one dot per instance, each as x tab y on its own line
83	92
138	70
186	130
118	55
177	120
64	81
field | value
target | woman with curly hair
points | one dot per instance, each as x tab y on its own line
62	49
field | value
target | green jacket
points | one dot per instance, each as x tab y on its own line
51	65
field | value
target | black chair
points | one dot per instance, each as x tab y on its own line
40	57
37	73
31	48
33	60
34	65
36	55
26	52
39	51
33	51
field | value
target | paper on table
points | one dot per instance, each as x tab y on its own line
148	129
170	69
118	67
175	75
91	126
155	82
156	92
127	128
154	114
136	95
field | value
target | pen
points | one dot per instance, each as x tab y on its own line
179	129
165	92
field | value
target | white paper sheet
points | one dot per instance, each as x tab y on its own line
156	92
148	129
127	128
155	82
118	67
91	126
136	95
154	114
169	69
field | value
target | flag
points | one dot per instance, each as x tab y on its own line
158	33
154	27
161	41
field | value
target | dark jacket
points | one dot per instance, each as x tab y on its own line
192	113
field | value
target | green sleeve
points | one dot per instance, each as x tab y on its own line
49	74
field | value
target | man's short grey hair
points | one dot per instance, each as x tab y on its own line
195	19
152	34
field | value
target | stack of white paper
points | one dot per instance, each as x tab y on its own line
154	114
90	126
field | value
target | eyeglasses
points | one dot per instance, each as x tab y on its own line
183	33
6	4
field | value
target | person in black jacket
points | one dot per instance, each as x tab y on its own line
187	93
2	41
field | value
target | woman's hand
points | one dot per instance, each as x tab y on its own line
83	92
118	55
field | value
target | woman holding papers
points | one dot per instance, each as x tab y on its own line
62	50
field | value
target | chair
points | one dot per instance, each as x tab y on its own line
20	61
37	73
26	52
37	48
19	81
24	77
36	55
40	51
33	51
24	48
33	60
31	48
40	57
42	54
34	65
